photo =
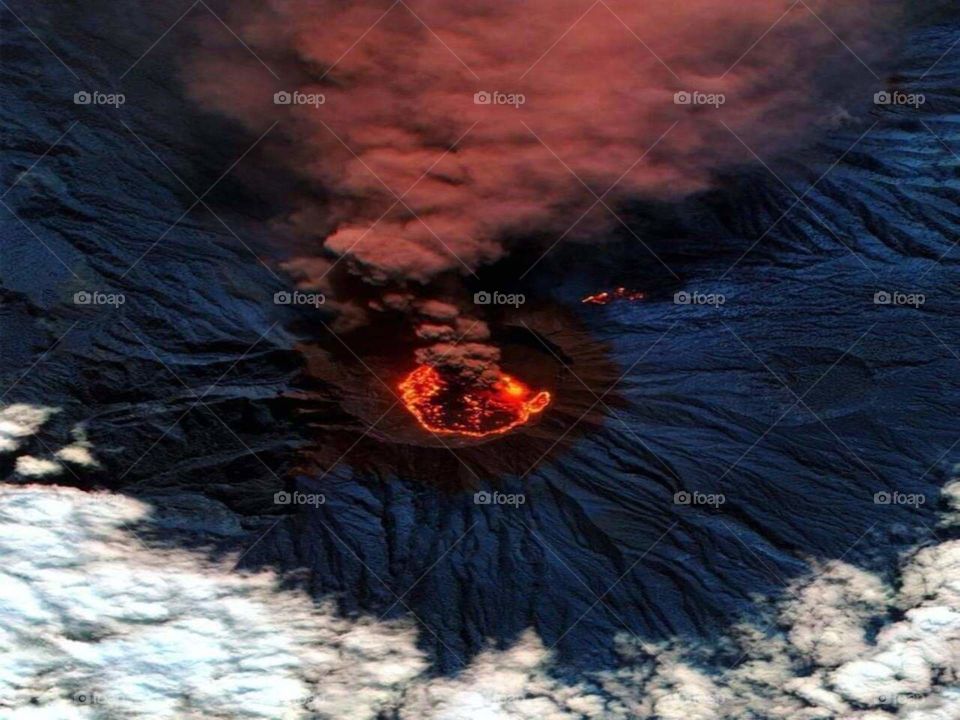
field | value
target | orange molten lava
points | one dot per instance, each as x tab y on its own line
608	296
453	407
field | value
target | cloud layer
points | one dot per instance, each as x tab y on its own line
95	624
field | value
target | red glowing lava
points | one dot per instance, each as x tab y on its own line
447	405
608	296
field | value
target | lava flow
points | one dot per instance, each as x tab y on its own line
608	296
450	406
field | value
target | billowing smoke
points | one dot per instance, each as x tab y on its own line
434	134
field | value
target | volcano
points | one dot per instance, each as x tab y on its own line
665	510
446	404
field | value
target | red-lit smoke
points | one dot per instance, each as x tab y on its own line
599	81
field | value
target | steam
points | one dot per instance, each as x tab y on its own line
439	133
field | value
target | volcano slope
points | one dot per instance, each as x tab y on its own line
797	400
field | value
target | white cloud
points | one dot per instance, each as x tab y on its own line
165	633
820	661
79	451
19	421
23	420
31	467
87	608
514	683
951	492
828	619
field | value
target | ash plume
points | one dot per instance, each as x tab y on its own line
434	134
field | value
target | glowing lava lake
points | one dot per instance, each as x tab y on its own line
448	405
